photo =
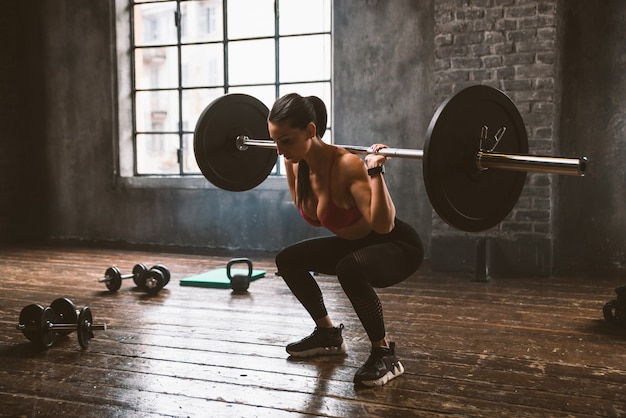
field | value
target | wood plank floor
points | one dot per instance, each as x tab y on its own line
534	347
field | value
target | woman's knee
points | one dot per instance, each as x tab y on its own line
352	276
289	259
281	260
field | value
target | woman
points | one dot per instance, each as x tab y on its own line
370	248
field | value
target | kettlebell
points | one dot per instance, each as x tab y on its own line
239	283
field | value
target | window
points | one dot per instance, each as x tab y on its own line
187	53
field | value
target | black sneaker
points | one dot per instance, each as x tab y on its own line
381	366
322	341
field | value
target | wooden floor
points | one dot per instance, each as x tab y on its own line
509	347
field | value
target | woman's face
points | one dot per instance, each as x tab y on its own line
292	143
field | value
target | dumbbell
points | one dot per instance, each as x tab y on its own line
614	311
113	277
41	325
155	279
151	281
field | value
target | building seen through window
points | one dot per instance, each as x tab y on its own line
187	53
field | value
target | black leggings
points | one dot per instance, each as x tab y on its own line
375	261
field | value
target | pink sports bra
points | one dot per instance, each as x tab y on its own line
335	217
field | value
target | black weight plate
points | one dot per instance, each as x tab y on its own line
139	273
31	321
165	271
47	334
463	196
609	311
85	334
154	281
66	312
114	277
215	143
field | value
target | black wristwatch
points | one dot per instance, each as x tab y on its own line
376	170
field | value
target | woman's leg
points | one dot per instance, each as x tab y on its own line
297	261
295	264
379	265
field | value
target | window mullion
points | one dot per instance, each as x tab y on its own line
133	86
180	152
225	40
277	60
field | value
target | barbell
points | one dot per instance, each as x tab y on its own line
473	176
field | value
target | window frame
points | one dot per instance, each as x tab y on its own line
126	167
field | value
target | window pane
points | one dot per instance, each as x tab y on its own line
154	23
157	111
251	62
250	18
201	21
321	90
190	165
305	58
266	94
202	65
298	16
157	154
194	103
156	68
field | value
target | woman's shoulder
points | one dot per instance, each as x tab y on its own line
348	162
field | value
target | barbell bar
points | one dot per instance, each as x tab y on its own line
473	181
243	142
485	159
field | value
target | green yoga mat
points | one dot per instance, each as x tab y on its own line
218	278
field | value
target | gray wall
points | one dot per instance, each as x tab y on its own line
59	109
592	214
23	199
383	58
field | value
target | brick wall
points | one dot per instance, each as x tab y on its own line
510	45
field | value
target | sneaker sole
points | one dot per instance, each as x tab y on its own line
397	370
320	351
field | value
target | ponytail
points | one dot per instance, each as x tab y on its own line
321	116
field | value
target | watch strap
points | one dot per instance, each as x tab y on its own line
376	170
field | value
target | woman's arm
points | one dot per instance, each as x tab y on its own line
290	169
371	193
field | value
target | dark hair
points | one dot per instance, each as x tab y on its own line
297	112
